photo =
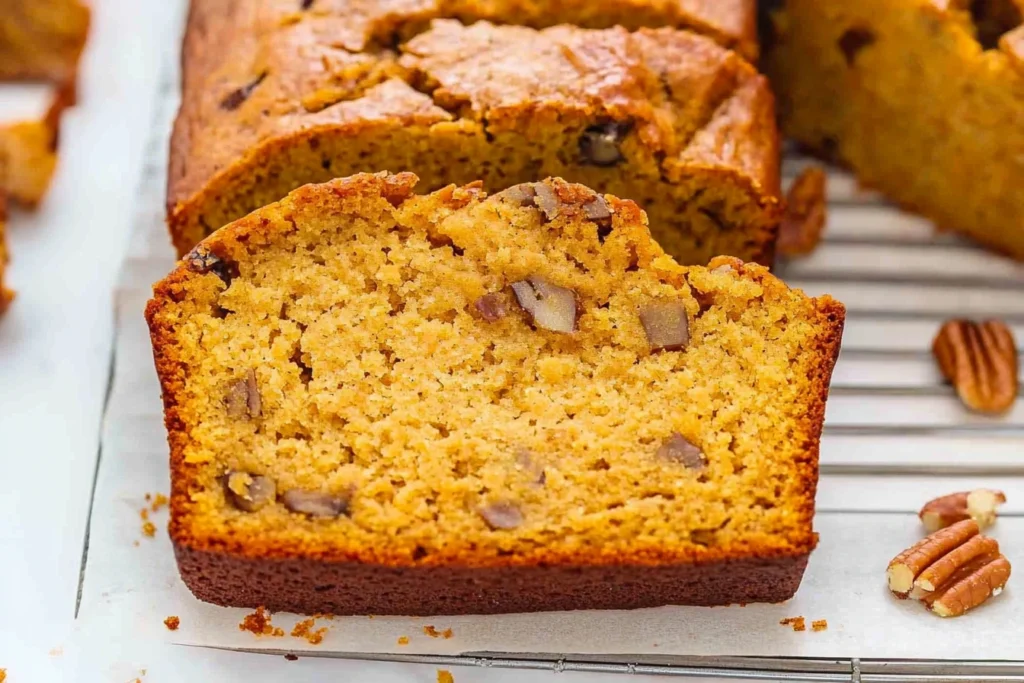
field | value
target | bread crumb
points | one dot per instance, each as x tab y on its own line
403	640
144	513
304	629
259	623
798	623
819	625
159	501
434	633
172	623
3	675
149	497
445	676
136	544
149	529
290	657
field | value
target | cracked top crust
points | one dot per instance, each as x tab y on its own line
273	74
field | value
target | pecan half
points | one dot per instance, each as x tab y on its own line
979	505
804	219
980	359
951	571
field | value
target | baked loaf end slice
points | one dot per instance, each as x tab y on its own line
384	403
6	295
923	99
42	39
665	117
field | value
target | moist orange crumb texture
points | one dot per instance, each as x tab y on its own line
798	623
305	629
354	376
922	99
819	625
6	295
259	623
172	623
42	39
668	118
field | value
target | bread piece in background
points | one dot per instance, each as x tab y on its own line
922	99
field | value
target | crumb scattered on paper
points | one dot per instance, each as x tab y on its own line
434	633
149	529
159	501
819	625
403	640
304	629
290	657
172	623
445	676
3	675
259	623
798	623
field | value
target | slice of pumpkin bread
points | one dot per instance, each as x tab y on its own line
665	117
6	295
379	402
922	99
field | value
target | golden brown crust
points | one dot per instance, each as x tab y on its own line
259	98
232	558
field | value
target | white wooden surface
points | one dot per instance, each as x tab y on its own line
895	434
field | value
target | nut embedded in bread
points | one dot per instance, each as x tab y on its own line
666	117
462	408
921	99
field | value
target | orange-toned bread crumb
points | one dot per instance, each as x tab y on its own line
377	401
921	98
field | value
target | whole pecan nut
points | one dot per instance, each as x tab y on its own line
980	359
951	571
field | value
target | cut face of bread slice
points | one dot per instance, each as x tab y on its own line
379	402
667	118
42	39
923	100
6	295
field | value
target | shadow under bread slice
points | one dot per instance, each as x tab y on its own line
388	403
665	117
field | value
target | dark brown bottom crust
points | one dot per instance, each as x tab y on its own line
309	587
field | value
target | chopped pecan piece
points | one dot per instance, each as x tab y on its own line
853	40
491	307
980	359
597	209
314	503
243	397
599	145
551	307
249	492
666	325
202	260
234	99
546	200
951	571
501	515
805	213
677	449
979	505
